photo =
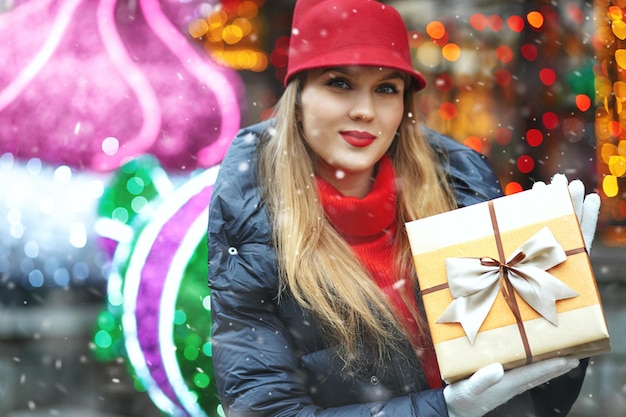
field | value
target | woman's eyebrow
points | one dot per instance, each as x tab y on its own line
337	69
394	75
346	71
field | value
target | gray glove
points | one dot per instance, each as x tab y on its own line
490	386
586	207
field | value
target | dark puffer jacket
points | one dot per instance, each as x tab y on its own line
269	357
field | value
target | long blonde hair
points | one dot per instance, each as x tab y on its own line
315	263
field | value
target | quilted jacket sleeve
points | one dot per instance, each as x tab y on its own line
256	370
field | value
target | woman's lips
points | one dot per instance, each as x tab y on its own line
357	138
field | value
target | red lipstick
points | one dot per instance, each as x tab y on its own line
357	138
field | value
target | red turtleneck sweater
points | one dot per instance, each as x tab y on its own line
369	226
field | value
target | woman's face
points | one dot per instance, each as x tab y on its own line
350	116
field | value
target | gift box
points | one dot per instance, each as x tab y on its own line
508	281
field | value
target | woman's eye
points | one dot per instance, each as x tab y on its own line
338	83
388	89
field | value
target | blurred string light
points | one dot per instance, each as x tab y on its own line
610	115
158	310
46	218
231	36
475	60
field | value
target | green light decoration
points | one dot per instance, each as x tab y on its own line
157	316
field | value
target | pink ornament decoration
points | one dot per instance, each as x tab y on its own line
103	82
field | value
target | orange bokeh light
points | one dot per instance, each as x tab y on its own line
474	142
448	111
583	102
451	52
535	19
512	188
436	30
615	128
607	151
198	28
615	13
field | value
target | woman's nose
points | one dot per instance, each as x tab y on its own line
363	109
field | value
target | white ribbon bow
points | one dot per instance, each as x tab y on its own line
475	282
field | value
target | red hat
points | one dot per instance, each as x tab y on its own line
332	33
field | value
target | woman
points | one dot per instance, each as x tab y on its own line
314	301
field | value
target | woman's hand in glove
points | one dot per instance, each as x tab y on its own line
586	207
491	386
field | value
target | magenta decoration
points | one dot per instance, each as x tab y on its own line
152	283
92	84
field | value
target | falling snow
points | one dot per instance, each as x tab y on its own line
526	103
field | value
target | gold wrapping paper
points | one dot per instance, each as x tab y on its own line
580	328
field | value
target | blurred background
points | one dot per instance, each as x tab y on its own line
115	115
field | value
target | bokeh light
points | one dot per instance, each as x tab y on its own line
515	23
451	52
583	102
610	185
550	120
535	19
615	128
444	82
617	165
615	13
504	53
547	76
448	111
230	36
436	30
474	142
529	51
611	96
503	77
503	136
494	22
525	164
429	55
512	188
534	137
478	21
198	28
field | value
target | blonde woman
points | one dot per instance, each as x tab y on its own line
314	301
